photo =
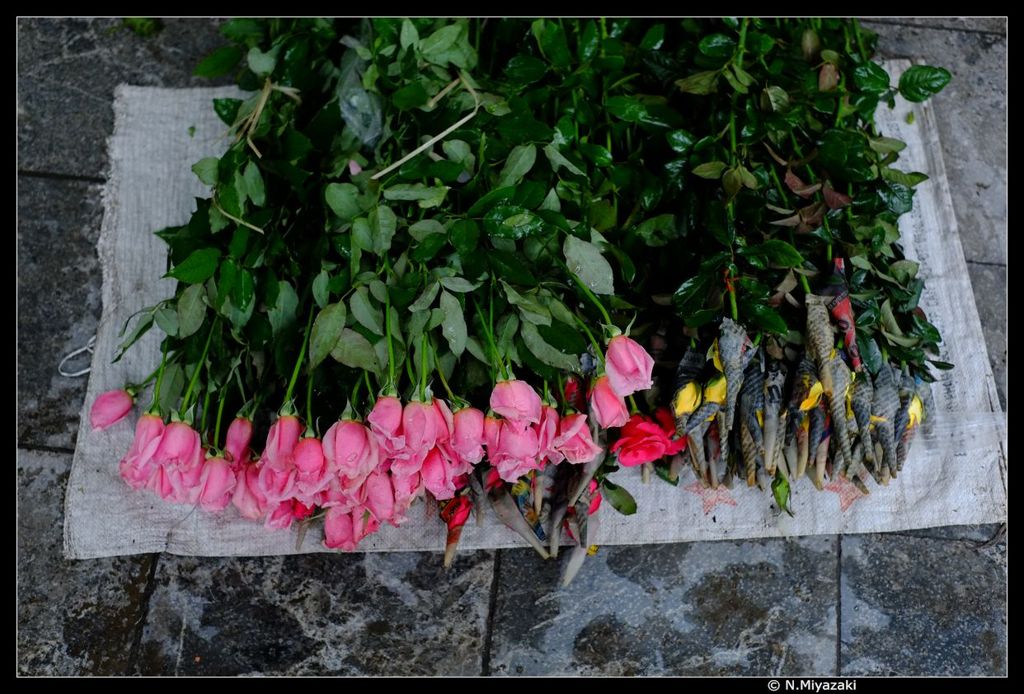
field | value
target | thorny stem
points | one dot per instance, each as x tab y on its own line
309	400
423	369
154	406
220	415
387	330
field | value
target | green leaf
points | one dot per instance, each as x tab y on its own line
545	352
408	35
342	198
780	490
282	315
509	266
191	310
198	267
220	62
904	271
910	179
558	161
519	162
711	169
762	316
778	252
700	83
551	39
464	235
227	109
354	350
454	326
871	77
321	290
254	184
206	170
922	81
654	38
425	299
458	284
897	197
659	230
586	261
525	69
365	313
410	96
884	145
261	63
531	310
512	222
167	318
428	247
383	223
426	197
326	332
681	141
774	99
621	500
717	46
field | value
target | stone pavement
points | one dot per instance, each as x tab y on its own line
922	602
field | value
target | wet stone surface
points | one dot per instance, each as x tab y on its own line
763	607
330	614
919	606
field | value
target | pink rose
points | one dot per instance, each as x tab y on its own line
248	498
608	408
420	424
407	489
311	469
239	437
281	441
351	452
138	465
344	530
285	513
385	422
516	401
437	475
380	496
276	485
628	366
511	448
216	485
110	408
468	435
180	458
574	440
547	431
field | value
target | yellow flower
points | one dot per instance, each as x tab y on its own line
813	396
916	412
714	391
687	400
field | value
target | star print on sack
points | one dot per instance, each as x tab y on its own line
711	497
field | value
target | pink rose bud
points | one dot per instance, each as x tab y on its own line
443	420
547	431
351	452
437	477
354	169
595	499
180	456
110	408
311	469
239	437
248	498
380	496
138	465
420	423
516	401
281	516
274	484
281	442
628	366
216	485
344	530
385	422
468	434
407	490
608	408
574	440
516	451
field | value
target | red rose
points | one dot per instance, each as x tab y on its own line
644	440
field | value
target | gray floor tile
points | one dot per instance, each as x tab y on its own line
992	25
59	299
971	115
989	285
74	617
916	606
708	608
372	614
67	71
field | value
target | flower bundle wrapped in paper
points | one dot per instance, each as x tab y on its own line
490	262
